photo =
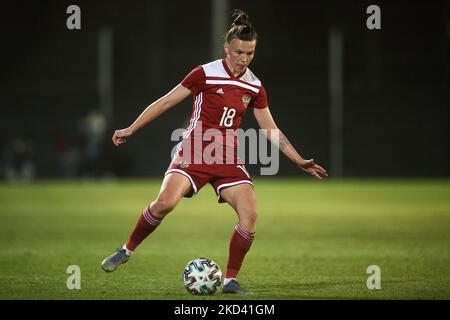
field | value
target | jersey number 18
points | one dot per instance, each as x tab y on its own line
227	117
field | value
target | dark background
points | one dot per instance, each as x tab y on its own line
396	80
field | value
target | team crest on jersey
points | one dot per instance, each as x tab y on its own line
183	164
246	99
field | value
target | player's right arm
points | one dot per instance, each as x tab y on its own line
175	96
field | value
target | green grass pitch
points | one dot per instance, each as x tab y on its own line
314	239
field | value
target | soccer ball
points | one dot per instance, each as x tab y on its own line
202	277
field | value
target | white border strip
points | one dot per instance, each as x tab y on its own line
231	82
243	169
197	111
185	174
195	116
230	185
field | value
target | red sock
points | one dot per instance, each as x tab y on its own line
146	224
240	243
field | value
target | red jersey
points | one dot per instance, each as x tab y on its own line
221	100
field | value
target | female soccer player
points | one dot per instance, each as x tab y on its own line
223	90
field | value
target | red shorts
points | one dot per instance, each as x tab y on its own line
220	176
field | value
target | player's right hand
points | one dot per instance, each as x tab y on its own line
120	136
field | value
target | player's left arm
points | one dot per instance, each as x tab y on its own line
276	136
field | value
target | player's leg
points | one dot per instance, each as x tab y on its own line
173	188
242	198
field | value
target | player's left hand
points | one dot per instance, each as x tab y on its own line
313	169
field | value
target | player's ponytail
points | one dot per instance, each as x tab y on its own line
241	27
